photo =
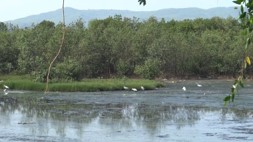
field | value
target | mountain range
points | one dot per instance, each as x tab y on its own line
72	15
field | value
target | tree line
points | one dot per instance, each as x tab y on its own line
124	47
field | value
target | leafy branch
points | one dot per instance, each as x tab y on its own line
246	21
142	2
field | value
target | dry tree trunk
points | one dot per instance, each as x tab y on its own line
61	45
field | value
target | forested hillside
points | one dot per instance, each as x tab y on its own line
88	15
117	47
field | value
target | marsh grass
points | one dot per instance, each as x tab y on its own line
87	85
91	85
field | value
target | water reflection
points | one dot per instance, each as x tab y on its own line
63	121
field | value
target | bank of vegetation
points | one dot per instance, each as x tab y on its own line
25	82
119	47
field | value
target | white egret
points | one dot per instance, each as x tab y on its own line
142	88
6	91
134	89
199	85
126	88
184	88
6	87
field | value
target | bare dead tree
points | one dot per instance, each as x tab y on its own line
61	45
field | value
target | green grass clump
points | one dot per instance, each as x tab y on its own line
26	85
87	85
91	85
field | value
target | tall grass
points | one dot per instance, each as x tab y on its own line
87	85
104	85
21	83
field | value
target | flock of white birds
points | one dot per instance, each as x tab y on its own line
6	88
142	88
133	89
184	88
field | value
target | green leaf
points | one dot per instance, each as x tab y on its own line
236	81
245	64
142	2
243	15
232	89
238	1
226	99
241	84
247	43
248	40
251	20
249	5
233	96
242	9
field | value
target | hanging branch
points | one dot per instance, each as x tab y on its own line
61	45
246	21
142	2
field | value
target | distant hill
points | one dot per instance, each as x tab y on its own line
87	15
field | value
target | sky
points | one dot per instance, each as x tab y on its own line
14	9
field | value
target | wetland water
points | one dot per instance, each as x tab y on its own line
162	115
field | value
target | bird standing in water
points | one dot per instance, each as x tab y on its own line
184	88
134	89
142	88
199	85
125	88
6	90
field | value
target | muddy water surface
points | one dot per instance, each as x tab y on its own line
166	114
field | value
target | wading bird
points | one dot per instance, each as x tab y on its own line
6	87
134	89
124	87
6	90
184	88
142	88
199	85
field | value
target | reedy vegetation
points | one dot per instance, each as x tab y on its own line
25	83
117	47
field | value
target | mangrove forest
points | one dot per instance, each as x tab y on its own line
118	47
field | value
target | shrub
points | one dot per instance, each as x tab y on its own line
149	70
